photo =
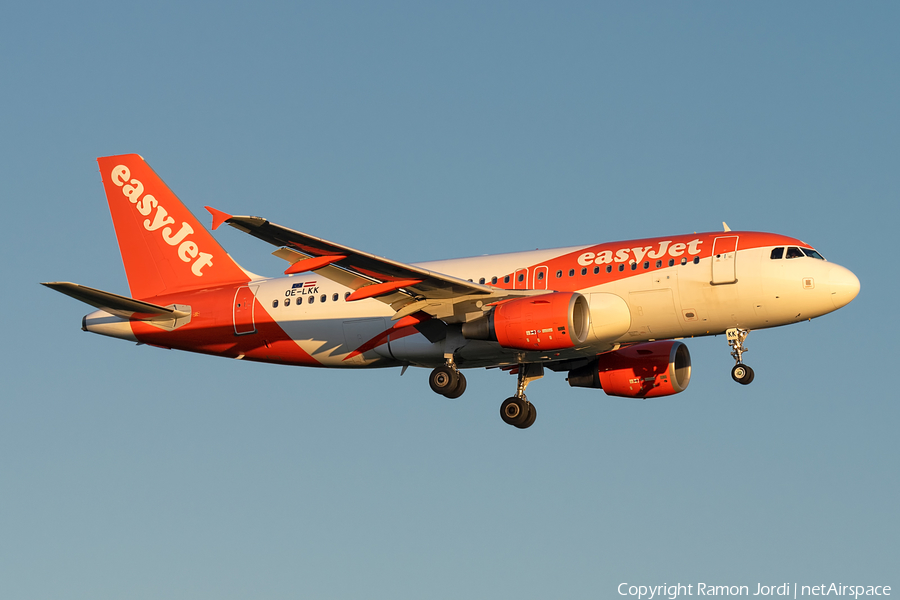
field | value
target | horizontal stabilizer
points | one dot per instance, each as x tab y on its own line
121	306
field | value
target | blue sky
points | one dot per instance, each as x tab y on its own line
421	131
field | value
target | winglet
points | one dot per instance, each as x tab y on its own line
218	216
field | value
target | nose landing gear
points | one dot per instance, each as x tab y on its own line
741	372
517	410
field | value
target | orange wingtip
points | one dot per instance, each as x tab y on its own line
218	216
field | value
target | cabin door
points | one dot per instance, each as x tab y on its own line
723	257
244	302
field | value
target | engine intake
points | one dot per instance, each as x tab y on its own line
547	322
641	371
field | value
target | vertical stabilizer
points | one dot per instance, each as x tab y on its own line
164	247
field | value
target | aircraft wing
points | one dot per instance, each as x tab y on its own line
405	287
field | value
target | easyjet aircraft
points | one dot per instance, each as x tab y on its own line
610	314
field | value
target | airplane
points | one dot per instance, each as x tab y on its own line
610	315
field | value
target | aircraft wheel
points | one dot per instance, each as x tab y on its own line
529	420
460	387
444	380
514	411
742	374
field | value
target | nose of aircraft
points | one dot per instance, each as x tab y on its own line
844	285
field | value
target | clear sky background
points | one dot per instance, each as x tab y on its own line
421	131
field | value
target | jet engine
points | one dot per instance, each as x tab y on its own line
547	322
644	370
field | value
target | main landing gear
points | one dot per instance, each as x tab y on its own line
741	372
447	381
517	410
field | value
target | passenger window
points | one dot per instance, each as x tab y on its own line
671	262
334	297
683	260
287	301
696	260
777	253
794	252
658	264
571	272
494	280
521	277
596	270
481	281
621	268
323	298
558	274
506	279
646	264
609	268
274	303
311	299
346	295
633	266
584	271
540	275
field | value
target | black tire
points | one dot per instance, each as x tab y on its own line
529	420
514	411
443	380
460	387
742	374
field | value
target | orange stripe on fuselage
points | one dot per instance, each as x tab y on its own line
211	330
634	251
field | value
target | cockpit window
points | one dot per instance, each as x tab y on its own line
812	253
777	253
794	252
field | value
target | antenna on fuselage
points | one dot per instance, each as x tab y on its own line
725	225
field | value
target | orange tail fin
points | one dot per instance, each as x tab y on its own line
164	247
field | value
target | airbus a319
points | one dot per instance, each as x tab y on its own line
610	315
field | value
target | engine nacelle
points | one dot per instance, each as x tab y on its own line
641	371
547	322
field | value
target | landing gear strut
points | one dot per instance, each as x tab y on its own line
517	410
447	381
741	372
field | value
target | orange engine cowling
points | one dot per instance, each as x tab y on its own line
546	322
640	371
